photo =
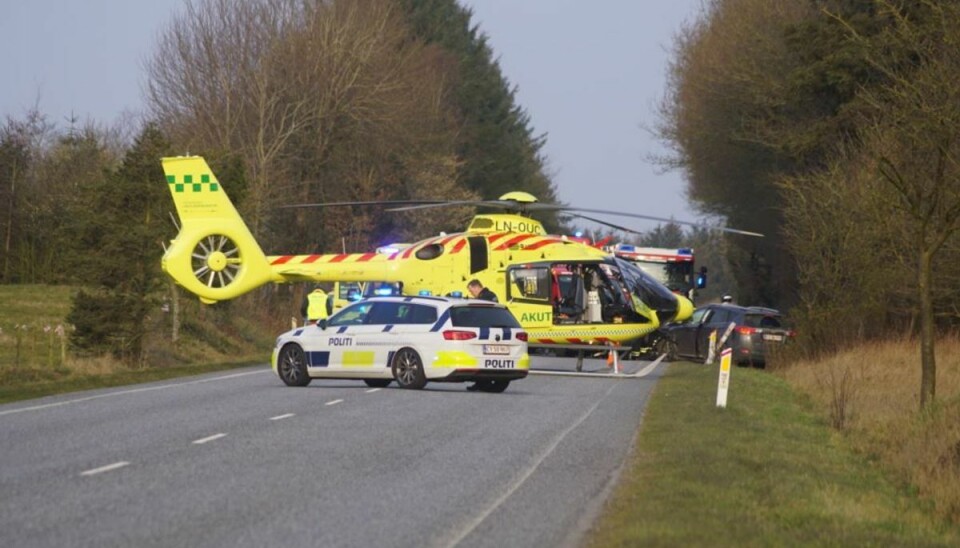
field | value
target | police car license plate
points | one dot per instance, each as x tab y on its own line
496	349
772	337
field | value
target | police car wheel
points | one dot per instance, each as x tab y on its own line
408	369
378	383
292	366
495	386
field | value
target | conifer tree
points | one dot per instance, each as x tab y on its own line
497	144
128	231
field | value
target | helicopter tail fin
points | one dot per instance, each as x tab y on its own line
214	255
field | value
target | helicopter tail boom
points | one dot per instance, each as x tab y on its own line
214	255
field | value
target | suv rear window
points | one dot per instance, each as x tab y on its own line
759	320
482	316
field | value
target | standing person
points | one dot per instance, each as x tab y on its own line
314	307
477	290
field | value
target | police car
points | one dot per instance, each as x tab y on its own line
410	340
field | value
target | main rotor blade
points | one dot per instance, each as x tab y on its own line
369	202
605	223
522	207
554	207
476	203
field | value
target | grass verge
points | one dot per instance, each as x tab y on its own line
16	392
870	392
765	471
36	358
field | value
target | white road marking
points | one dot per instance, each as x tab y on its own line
286	416
334	402
653	365
133	391
519	481
106	468
208	438
372	390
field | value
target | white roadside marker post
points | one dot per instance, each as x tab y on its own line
711	347
715	344
724	382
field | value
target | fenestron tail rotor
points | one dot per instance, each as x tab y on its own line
216	261
214	255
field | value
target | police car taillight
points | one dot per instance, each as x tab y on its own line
454	335
522	336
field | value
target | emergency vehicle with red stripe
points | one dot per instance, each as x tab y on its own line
673	267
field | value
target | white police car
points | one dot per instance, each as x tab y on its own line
412	340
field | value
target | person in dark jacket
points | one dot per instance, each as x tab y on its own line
477	290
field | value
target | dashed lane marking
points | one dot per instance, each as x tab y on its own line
201	441
106	468
285	416
518	482
334	402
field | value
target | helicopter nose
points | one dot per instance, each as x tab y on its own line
684	308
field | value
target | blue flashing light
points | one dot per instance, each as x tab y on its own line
684	251
456	294
387	250
425	293
578	234
626	248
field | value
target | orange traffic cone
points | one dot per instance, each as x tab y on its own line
610	358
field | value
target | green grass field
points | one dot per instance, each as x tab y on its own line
765	471
29	316
36	361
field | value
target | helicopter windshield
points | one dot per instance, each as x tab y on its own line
649	290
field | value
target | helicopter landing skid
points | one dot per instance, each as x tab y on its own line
615	355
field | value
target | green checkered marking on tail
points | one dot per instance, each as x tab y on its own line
188	183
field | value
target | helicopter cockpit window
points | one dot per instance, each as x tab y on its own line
530	283
429	252
648	290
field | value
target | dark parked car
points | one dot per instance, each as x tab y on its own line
756	330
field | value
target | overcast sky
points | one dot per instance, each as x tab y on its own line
588	73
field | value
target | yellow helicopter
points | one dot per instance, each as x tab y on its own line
562	291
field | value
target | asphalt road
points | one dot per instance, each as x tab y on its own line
239	459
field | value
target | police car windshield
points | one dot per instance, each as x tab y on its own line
482	316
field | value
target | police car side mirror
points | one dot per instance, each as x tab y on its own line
322	324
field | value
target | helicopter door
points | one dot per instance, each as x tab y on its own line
568	298
478	254
528	295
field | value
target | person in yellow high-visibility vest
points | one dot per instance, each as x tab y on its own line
315	306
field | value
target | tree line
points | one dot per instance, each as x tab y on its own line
832	126
291	102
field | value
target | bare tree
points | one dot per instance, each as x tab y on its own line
913	130
728	103
321	101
